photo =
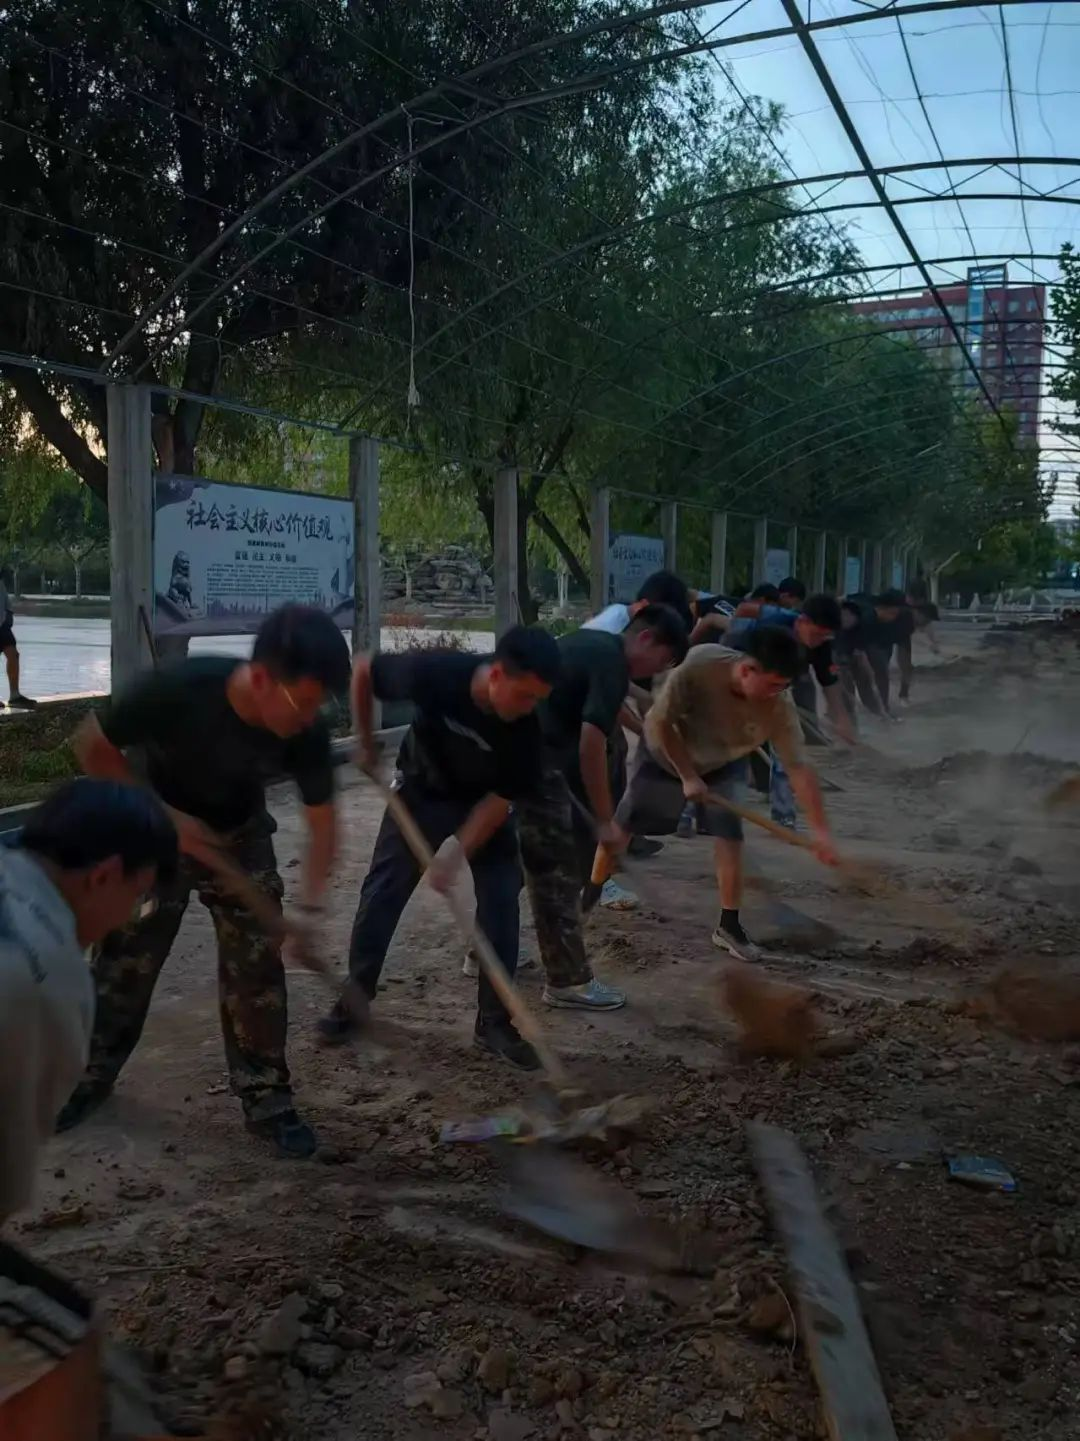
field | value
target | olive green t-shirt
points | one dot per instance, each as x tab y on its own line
715	724
592	687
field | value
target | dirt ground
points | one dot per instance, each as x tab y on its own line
338	1283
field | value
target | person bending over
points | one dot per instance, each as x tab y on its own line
560	819
471	753
213	730
663	587
716	708
81	865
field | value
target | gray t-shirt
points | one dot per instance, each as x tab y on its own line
46	1017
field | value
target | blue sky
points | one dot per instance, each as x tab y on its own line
958	60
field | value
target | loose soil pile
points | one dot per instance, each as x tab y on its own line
381	1292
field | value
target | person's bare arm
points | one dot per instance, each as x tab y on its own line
837	713
96	754
321	852
804	783
476	830
751	608
709	627
677	752
641	697
592	755
904	665
631	721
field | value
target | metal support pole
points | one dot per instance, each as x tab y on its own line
669	530
886	565
793	549
131	530
507	609
600	528
876	558
864	552
817	574
367	587
843	544
761	545
718	559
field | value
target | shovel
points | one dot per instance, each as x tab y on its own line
796	926
567	1119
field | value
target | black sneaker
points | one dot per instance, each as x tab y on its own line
499	1038
293	1137
733	939
22	702
83	1101
643	847
346	1018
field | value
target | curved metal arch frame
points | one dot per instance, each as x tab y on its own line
541	301
465	84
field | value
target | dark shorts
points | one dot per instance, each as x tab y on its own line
7	636
654	800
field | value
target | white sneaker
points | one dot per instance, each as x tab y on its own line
594	995
736	942
616	897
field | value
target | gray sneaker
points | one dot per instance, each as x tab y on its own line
687	822
615	897
594	995
736	942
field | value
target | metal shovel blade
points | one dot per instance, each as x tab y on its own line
799	929
563	1198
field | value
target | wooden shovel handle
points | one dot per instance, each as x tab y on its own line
494	969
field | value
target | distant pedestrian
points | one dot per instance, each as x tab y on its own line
10	651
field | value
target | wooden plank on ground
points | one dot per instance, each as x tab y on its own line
831	1322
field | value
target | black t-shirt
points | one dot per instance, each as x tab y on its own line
592	688
453	747
200	756
864	632
819	660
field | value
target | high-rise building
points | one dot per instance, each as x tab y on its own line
1003	326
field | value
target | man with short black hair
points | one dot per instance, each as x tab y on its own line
792	593
78	868
557	841
814	626
472	752
716	708
214	730
885	619
663	587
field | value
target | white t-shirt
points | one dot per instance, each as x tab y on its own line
613	618
46	1018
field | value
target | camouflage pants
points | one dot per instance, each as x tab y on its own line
251	978
551	853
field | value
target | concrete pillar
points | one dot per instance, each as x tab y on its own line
817	573
367	586
793	549
718	559
600	539
131	529
669	530
876	558
507	608
842	545
864	569
761	545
